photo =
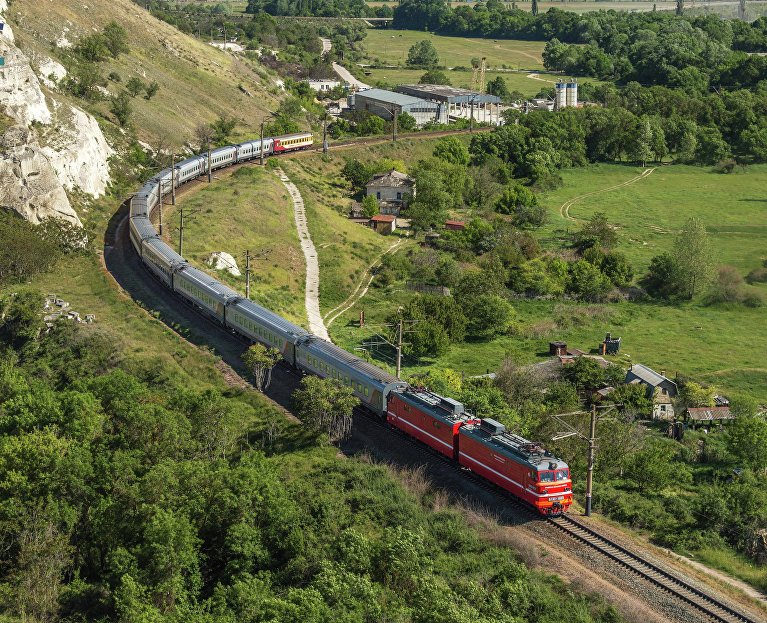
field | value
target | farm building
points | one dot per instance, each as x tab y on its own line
455	225
392	190
387	103
660	389
383	223
703	416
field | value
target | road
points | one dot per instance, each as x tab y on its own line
342	72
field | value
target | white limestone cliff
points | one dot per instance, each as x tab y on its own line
28	183
66	151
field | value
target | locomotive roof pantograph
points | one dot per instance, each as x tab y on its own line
495	435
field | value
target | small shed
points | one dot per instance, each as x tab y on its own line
695	416
611	345
557	349
455	225
383	223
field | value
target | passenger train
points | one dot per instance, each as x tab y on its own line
514	464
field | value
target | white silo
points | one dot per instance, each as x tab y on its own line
572	94
560	101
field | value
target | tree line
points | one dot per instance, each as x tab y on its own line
650	47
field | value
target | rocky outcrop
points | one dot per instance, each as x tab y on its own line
28	183
20	92
67	151
78	151
50	72
221	260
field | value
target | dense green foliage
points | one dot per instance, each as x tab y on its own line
130	495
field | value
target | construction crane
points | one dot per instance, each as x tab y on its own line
478	78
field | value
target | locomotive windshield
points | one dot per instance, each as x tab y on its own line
554	476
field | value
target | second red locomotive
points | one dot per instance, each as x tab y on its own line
521	467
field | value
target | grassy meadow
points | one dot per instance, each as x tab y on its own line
649	212
390	47
251	210
515	80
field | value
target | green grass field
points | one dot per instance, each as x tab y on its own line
650	211
247	210
391	47
516	81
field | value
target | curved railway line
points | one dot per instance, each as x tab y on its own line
666	580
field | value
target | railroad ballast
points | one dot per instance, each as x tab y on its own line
516	465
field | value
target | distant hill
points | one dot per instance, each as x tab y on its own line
198	82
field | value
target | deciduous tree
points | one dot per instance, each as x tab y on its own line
260	360
693	258
326	406
423	54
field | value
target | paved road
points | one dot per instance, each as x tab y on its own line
342	72
345	75
312	287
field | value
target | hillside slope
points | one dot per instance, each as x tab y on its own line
197	82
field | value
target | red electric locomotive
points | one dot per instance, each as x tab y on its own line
520	466
428	417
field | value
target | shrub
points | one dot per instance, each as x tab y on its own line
758	275
753	299
114	76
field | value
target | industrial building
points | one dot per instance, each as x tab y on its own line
386	104
460	103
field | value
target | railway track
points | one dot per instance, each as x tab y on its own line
666	580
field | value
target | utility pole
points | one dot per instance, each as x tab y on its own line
399	347
247	274
210	168
181	235
262	143
173	178
181	229
325	134
571	431
592	448
394	125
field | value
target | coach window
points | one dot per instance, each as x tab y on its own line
367	391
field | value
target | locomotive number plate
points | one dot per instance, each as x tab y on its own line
557	498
